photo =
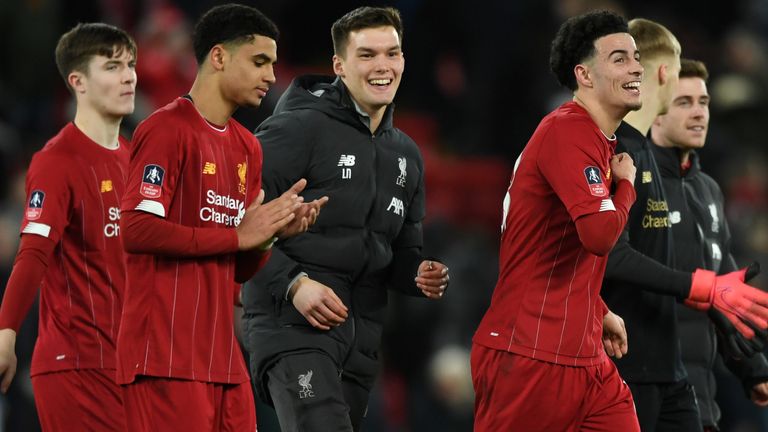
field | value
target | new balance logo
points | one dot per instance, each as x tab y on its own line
396	206
106	186
306	387
347	160
209	168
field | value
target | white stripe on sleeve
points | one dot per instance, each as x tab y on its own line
607	205
37	228
153	207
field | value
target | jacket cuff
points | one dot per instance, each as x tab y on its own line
293	281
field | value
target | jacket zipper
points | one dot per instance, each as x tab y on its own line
351	293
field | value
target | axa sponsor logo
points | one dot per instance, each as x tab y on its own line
717	253
396	206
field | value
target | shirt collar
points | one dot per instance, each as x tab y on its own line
364	117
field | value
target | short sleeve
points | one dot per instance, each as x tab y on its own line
49	197
157	155
573	160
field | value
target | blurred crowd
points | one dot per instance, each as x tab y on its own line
476	85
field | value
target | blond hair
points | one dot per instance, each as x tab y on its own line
653	40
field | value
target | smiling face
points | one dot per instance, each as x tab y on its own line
685	123
616	73
109	85
249	70
371	67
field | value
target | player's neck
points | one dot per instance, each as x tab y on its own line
376	119
685	157
102	129
606	120
209	101
642	119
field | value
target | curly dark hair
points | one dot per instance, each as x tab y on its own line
575	42
230	23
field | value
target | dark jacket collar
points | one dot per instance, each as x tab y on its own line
329	95
668	160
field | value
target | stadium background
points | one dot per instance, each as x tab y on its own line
475	86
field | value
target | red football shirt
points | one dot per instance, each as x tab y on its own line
74	187
178	313
546	303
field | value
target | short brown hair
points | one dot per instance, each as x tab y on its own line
653	39
362	18
77	46
693	69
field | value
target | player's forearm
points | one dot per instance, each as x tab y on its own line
144	233
277	275
628	265
28	270
598	232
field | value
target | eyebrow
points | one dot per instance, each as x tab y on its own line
265	58
692	97
392	48
621	51
115	62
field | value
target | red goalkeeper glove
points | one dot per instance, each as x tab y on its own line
732	297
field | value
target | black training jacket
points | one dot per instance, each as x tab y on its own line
702	240
639	284
367	239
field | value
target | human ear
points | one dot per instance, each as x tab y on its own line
338	65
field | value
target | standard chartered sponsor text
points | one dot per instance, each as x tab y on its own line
112	228
651	221
214	213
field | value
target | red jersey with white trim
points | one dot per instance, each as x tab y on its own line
178	319
546	302
74	188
